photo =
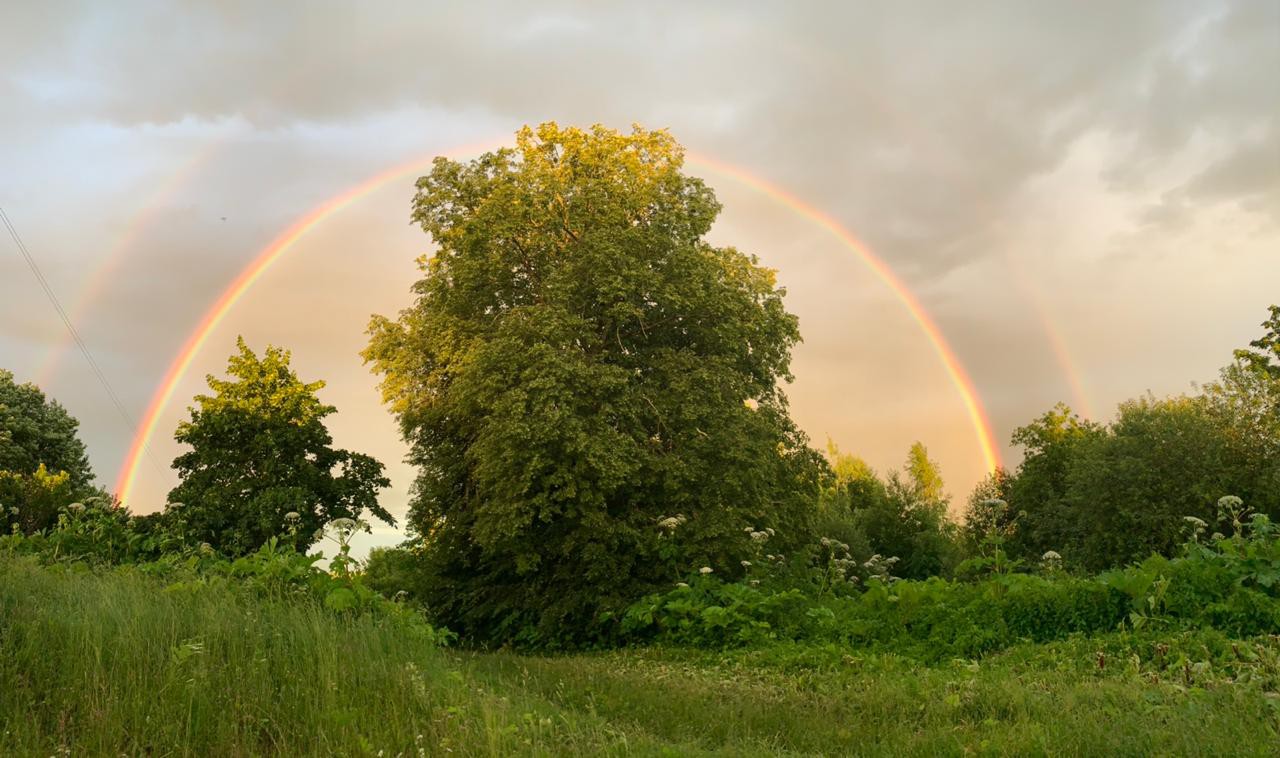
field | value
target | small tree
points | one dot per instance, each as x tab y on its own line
261	462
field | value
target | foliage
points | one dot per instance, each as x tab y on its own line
904	516
987	513
211	670
1231	584
579	365
1263	354
100	536
37	431
31	502
261	463
1037	493
1104	495
43	464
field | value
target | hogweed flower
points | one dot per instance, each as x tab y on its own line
746	564
76	507
705	570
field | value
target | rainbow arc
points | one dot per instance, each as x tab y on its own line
250	274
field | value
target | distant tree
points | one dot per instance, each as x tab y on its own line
579	364
1263	354
926	479
1104	495
903	516
987	512
261	464
1037	493
36	431
849	484
1130	487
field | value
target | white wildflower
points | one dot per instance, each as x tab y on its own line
76	507
292	516
1051	556
682	584
705	570
746	564
759	536
670	523
769	530
1230	502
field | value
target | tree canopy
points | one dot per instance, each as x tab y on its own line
261	463
579	365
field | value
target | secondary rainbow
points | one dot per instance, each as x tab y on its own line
101	277
128	474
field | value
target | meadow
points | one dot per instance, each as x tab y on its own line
199	655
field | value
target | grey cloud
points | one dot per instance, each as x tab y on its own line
917	122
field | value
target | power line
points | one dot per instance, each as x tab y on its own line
71	329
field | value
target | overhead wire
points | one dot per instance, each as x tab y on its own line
101	376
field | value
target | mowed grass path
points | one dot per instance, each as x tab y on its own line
119	663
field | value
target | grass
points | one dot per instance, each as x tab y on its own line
117	663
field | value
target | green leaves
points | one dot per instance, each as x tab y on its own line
577	364
259	451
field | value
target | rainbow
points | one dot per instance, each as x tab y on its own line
128	474
132	231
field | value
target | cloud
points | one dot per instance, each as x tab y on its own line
916	123
1082	140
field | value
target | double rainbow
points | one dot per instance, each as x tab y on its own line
128	475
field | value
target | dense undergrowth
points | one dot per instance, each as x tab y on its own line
113	643
1231	584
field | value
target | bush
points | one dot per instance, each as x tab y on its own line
1231	584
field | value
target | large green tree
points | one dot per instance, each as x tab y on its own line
259	453
579	364
36	431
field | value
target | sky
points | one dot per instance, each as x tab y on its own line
1083	197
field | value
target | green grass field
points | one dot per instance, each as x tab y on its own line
118	663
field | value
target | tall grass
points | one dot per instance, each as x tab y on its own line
116	664
120	663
